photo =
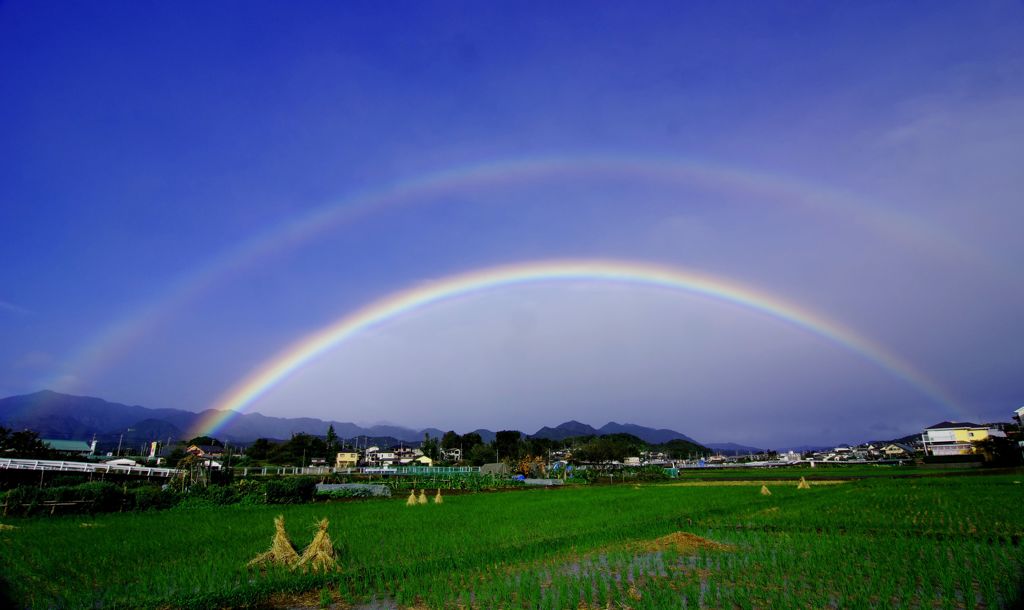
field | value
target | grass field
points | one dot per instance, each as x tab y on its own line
949	542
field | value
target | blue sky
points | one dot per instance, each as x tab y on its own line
881	145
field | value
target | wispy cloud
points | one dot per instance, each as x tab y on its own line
8	306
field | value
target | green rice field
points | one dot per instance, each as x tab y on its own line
937	542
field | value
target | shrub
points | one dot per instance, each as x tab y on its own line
94	497
148	497
293	490
216	494
652	473
102	496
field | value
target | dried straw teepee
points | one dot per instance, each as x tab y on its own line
319	556
765	491
438	499
281	550
411	500
423	496
803	484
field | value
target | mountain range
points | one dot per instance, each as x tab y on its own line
62	416
574	428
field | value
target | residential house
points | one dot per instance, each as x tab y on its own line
956	438
205	451
896	451
383	458
349	459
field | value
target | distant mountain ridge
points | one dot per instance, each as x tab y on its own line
565	430
64	416
733	448
571	428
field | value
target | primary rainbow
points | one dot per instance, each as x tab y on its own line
395	305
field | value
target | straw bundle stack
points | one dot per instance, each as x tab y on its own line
438	499
319	556
803	484
411	500
423	496
765	491
281	550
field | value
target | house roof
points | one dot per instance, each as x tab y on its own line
60	445
953	424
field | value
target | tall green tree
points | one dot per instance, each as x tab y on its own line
481	454
470	440
299	449
451	440
332	442
260	449
430	447
205	440
22	444
507	444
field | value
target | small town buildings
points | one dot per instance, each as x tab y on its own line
789	456
956	438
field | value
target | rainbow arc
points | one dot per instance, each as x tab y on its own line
396	305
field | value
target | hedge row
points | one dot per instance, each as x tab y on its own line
102	496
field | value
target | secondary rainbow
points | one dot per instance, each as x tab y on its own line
278	368
116	339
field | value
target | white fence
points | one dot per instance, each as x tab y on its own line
364	470
90	467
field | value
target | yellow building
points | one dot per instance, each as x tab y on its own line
955	438
346	460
